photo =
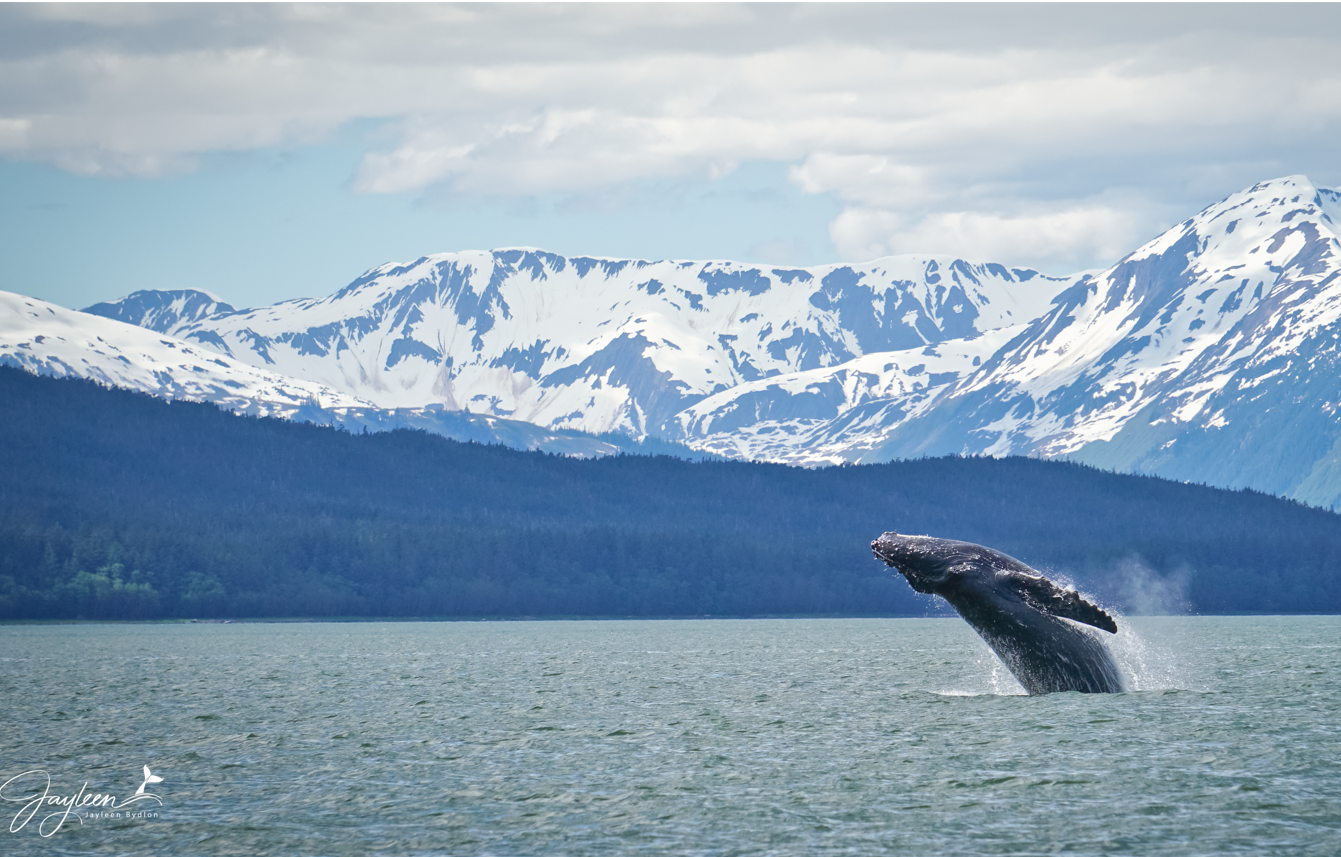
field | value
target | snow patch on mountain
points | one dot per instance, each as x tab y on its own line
834	414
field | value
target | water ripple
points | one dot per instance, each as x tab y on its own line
795	737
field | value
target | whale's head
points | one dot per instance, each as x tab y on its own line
924	561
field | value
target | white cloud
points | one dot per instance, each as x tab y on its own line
14	134
1072	237
1049	135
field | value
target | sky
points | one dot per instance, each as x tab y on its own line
265	153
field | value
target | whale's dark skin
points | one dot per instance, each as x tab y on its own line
1020	613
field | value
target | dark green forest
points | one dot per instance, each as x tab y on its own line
115	505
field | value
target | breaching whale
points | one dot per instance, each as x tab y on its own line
1019	612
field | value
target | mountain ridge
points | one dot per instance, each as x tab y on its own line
44	339
597	344
1203	355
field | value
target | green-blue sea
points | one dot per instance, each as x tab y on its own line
786	737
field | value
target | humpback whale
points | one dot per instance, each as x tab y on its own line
1020	613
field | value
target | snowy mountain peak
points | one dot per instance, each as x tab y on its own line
162	310
599	344
1162	346
1244	222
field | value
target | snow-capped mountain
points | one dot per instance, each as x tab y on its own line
1209	354
595	344
45	339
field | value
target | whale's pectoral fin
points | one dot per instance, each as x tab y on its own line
1043	594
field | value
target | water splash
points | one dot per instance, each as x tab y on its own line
988	677
1146	664
1148	660
1004	682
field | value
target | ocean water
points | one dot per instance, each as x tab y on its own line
787	737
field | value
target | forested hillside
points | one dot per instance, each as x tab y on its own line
116	505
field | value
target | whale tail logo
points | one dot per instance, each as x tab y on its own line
149	779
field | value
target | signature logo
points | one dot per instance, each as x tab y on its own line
149	779
33	790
